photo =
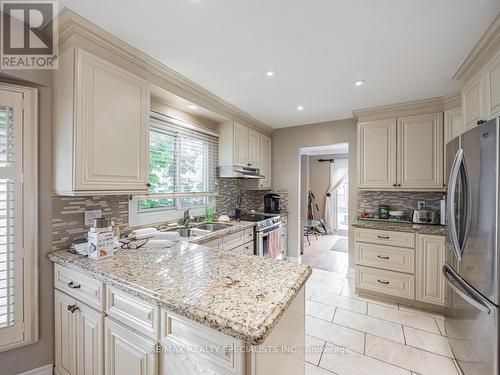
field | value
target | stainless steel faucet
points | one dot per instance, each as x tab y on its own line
187	218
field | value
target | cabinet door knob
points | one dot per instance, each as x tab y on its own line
249	164
72	308
148	185
394	185
399	185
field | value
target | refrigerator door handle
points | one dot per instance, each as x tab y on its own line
464	290
467	210
455	169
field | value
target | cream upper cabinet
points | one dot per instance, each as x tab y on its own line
453	124
253	148
474	101
377	154
493	88
128	353
420	152
265	158
101	127
79	348
240	144
430	284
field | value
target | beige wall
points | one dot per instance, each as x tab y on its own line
286	168
41	353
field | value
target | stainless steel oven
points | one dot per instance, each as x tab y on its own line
262	244
265	226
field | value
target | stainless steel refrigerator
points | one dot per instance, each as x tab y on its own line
472	267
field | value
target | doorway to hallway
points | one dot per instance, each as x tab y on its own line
325	207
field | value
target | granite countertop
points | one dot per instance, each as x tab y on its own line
437	230
239	295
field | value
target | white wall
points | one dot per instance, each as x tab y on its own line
286	168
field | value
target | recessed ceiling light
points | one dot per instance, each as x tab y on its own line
359	82
194	107
271	73
300	108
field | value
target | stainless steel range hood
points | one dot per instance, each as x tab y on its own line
239	171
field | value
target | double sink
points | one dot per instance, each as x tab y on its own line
199	230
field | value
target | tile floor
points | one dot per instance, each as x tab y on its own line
350	335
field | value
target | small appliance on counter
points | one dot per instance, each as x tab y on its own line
272	203
425	217
101	241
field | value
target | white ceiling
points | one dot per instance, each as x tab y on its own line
404	49
337	148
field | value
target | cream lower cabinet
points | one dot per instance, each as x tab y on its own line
100	135
79	345
400	265
430	259
128	353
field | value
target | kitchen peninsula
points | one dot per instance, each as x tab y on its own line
187	307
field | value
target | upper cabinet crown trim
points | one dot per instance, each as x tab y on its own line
412	108
71	24
487	46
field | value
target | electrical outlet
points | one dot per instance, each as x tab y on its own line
90	215
421	205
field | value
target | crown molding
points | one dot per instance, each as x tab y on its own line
452	100
411	108
71	24
487	46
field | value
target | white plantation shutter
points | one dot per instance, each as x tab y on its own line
11	217
18	217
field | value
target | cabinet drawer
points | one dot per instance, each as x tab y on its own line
223	351
387	282
390	258
79	286
247	249
133	312
234	240
384	237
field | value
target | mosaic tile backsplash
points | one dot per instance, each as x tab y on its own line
68	216
68	212
229	188
398	201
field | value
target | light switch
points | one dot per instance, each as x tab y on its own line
91	215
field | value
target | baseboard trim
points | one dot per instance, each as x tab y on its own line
44	370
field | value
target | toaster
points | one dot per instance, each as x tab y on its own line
425	217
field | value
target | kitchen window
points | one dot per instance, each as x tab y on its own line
18	217
182	171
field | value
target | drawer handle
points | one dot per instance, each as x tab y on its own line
383	237
382	257
383	282
72	308
72	285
